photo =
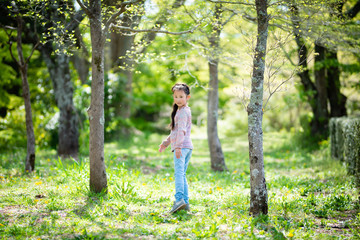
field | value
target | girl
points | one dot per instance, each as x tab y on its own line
181	144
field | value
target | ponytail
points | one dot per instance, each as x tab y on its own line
175	108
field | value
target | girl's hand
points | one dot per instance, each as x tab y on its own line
161	148
178	153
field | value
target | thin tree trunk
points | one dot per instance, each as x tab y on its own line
258	191
216	154
23	65
336	98
58	66
98	179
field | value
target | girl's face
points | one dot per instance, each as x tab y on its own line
180	98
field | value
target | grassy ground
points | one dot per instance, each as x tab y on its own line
310	195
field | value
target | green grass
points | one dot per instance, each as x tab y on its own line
310	195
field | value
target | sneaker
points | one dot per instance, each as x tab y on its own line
178	206
187	207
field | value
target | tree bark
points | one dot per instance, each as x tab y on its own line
216	153
98	178
58	66
309	87
23	65
336	98
322	113
258	191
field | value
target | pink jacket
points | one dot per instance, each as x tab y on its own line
180	135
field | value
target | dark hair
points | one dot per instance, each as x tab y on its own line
178	87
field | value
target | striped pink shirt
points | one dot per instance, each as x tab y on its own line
180	135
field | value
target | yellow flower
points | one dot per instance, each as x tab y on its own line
234	172
38	183
210	192
171	178
144	184
262	232
219	188
37	177
290	234
235	203
304	205
152	214
218	213
1	225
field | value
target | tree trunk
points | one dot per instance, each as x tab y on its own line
58	66
23	65
258	192
120	44
98	179
216	154
322	114
336	98
309	87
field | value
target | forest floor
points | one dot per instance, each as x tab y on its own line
310	195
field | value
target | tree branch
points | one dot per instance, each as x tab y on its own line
86	9
228	2
115	15
228	20
112	26
12	55
32	51
78	17
351	13
148	38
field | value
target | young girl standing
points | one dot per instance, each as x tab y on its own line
181	144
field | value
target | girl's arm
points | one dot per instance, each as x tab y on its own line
164	144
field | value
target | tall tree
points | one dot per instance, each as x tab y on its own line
258	191
216	153
23	67
57	61
317	127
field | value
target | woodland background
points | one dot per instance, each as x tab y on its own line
311	75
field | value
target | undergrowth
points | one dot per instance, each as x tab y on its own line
310	195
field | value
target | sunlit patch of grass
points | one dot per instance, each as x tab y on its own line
309	195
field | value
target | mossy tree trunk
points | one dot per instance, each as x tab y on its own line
258	191
58	66
98	178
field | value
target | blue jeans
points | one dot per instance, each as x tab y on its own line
181	165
